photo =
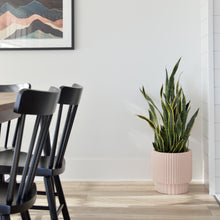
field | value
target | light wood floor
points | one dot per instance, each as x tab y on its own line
133	201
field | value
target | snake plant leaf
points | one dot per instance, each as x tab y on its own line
160	141
175	142
178	147
155	146
166	82
164	95
190	125
170	88
161	91
156	141
175	112
171	83
184	113
177	86
187	105
175	68
151	117
179	127
165	115
148	98
183	147
177	98
179	105
152	125
163	134
170	123
186	146
154	115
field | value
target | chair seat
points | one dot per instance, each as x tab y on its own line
6	158
16	208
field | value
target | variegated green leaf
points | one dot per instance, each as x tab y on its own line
151	117
166	82
170	123
190	125
175	68
155	146
163	134
179	105
165	115
160	141
184	113
161	91
177	86
154	115
177	98
171	83
178	147
187	105
152	125
149	100
179	127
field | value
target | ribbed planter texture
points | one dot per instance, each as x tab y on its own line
172	172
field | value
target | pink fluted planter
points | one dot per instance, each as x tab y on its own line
172	172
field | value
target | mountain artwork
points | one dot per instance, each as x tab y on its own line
31	19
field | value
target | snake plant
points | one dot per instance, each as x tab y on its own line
171	132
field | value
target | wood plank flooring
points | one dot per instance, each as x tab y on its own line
132	201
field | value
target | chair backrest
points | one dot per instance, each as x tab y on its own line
12	88
40	104
69	96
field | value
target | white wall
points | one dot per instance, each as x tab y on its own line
120	46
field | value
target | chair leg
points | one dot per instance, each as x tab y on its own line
5	217
25	215
53	184
61	197
50	198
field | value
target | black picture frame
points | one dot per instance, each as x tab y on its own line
68	23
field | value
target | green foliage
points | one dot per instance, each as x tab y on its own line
173	134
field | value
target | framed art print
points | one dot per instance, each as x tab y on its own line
36	24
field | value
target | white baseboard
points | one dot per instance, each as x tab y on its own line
124	169
107	169
106	180
200	181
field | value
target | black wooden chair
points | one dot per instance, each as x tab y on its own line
12	88
50	167
19	197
